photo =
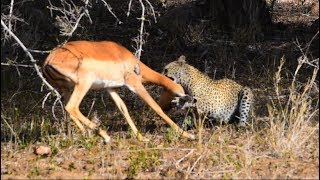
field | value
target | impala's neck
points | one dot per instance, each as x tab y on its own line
149	75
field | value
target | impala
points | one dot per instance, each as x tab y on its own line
76	67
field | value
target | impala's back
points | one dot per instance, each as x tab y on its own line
102	63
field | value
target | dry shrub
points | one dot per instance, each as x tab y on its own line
292	117
297	1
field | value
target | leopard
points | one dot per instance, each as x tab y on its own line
222	99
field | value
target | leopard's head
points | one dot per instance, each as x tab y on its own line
176	69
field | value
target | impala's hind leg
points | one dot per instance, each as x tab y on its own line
134	83
66	94
80	90
123	109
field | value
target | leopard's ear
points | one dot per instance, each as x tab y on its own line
182	60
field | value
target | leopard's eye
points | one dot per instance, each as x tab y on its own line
165	71
171	78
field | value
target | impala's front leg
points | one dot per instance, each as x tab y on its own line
134	83
123	109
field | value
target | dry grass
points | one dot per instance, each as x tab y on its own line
292	118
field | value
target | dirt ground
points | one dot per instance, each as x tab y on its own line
239	157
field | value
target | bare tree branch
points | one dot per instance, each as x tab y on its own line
33	61
309	43
139	40
10	14
11	129
70	20
38	51
45	99
152	10
17	65
75	25
78	20
129	8
11	20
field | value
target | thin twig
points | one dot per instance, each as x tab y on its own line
39	51
76	25
50	8
54	105
11	129
309	43
152	9
10	14
102	99
111	12
17	65
168	149
181	159
129	8
193	166
139	40
45	99
92	104
70	20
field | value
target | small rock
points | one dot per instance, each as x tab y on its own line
315	9
4	170
42	150
59	160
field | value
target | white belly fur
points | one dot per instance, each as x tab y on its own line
100	84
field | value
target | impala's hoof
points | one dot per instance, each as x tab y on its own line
142	138
191	136
106	139
187	135
104	135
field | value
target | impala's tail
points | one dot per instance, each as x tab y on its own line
53	76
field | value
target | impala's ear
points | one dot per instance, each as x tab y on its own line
182	60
